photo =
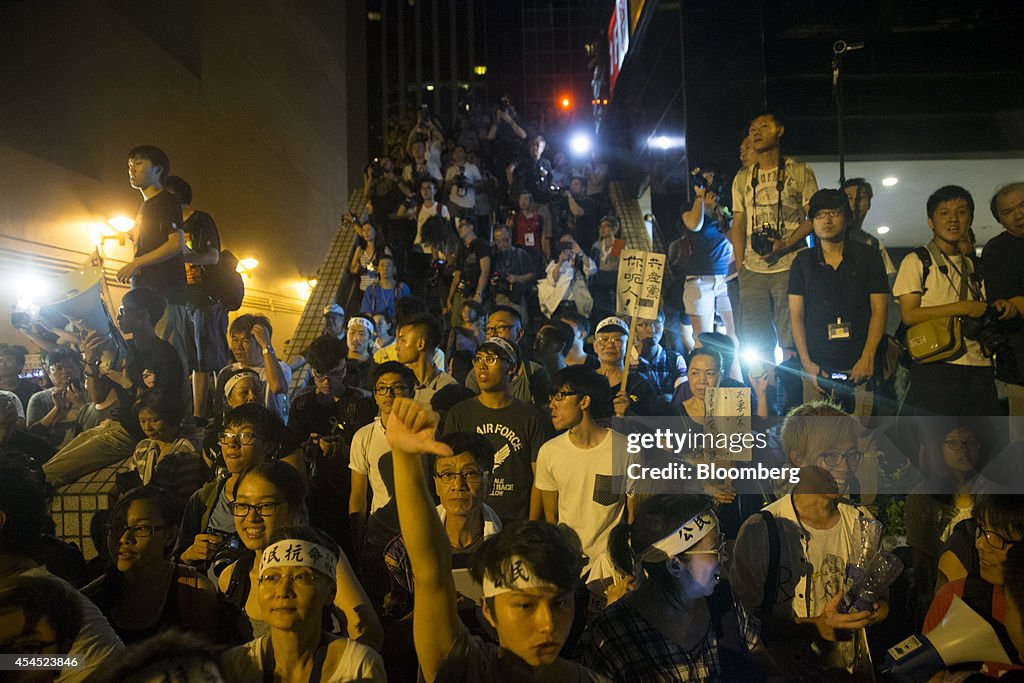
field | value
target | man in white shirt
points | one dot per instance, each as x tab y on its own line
576	472
461	180
372	473
951	286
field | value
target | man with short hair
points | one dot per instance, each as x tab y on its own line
769	201
208	318
372	481
152	363
472	271
577	477
553	341
533	173
416	344
252	347
666	367
420	168
359	363
428	208
580	325
460	180
405	308
531	382
515	429
529	230
860	193
837	305
950	286
334	321
158	261
1004	279
582	217
514	270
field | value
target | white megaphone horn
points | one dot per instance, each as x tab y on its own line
963	635
78	298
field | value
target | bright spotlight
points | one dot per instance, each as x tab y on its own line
247	264
890	181
882	229
661	142
750	355
121	223
580	144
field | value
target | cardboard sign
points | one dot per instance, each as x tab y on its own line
727	411
639	283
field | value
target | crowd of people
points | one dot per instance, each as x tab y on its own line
445	495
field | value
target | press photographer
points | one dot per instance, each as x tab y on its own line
1004	278
938	288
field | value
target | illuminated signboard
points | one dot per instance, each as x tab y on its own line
618	40
620	28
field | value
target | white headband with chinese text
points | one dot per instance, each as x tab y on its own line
522	577
682	539
295	553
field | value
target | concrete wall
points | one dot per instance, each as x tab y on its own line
249	100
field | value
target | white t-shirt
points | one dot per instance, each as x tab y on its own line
95	645
357	663
799	185
939	290
369	445
422	214
590	500
463	198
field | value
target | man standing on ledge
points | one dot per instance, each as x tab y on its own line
159	239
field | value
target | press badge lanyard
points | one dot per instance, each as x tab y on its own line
838	329
966	277
318	661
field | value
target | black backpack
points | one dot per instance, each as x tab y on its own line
225	282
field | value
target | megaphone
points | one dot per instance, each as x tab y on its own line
963	635
78	299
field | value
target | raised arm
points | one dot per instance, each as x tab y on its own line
411	429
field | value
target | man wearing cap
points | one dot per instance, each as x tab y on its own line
359	364
531	382
837	329
515	429
334	321
640	396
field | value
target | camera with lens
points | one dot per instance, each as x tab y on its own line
715	186
228	552
990	334
499	283
761	239
505	103
462	181
437	269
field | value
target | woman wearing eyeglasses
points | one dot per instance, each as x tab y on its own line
267	497
295	588
251	435
143	592
811	531
942	500
998	524
680	623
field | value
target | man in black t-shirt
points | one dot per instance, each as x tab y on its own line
159	240
207	316
152	364
581	220
472	271
838	296
514	428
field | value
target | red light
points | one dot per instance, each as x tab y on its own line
566	103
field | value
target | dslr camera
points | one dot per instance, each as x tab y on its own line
990	334
462	181
761	239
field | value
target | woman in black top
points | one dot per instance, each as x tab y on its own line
142	592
